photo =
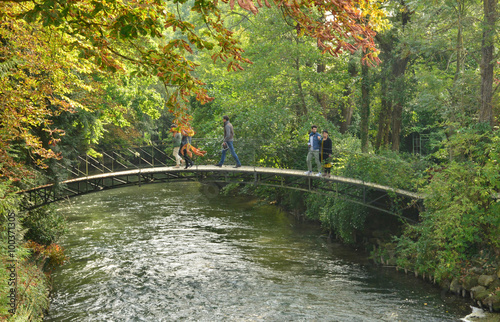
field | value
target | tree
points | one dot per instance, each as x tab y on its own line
142	38
110	32
394	94
36	82
365	107
487	63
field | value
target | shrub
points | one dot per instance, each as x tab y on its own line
461	219
44	226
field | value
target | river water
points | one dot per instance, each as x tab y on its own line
179	252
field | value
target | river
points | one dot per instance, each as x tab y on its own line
179	252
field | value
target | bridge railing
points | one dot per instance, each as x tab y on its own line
251	152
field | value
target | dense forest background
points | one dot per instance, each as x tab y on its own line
408	92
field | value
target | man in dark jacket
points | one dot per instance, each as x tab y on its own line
228	142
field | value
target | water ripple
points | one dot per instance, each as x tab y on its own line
167	253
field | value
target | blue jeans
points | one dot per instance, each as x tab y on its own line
231	148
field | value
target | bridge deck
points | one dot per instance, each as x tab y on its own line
251	169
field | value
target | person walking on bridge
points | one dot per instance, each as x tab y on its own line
314	147
176	142
228	142
184	147
326	153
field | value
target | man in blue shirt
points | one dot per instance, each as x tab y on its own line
314	146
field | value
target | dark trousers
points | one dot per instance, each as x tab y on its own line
183	153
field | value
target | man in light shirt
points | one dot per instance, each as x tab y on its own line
314	146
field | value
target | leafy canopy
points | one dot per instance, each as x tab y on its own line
46	47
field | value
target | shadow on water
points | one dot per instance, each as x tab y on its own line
182	252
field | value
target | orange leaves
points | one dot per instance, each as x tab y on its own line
176	44
53	253
233	66
189	149
260	3
342	28
248	5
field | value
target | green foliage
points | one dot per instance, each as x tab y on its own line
275	98
388	168
461	219
341	217
44	226
345	218
32	284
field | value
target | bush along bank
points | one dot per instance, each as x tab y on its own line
386	238
456	239
29	254
479	281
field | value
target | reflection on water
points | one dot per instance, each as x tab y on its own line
177	252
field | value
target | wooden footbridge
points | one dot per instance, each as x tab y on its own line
374	196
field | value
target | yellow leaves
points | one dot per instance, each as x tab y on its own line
75	104
377	16
46	79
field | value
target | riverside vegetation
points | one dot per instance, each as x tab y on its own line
410	101
455	243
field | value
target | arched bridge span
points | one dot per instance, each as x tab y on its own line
371	195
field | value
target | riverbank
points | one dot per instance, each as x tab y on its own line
25	277
25	286
479	283
379	235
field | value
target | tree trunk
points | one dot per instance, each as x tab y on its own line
365	107
460	39
399	88
487	48
347	111
320	96
301	106
393	85
347	104
399	92
384	117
